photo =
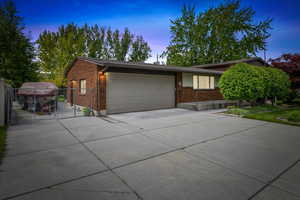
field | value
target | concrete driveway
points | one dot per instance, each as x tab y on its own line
165	154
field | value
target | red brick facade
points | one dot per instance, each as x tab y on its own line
82	70
188	94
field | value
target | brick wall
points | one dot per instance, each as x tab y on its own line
87	71
188	94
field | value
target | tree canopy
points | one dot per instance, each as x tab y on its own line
290	63
16	50
56	50
247	82
242	82
222	33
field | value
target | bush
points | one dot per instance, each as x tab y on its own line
246	82
291	96
279	83
294	116
86	111
242	82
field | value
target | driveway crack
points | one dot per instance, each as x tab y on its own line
96	191
101	161
269	183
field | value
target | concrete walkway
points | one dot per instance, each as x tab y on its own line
165	154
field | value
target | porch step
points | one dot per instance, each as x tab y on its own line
207	105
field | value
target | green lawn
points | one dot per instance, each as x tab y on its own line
2	141
278	114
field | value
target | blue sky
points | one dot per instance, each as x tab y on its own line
151	18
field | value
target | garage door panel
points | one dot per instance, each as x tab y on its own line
133	108
127	92
142	103
138	94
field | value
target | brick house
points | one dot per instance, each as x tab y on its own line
116	87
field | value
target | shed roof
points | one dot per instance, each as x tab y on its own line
37	89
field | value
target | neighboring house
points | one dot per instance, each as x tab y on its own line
116	87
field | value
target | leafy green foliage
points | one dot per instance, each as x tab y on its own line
294	116
246	82
223	33
56	50
86	111
16	50
140	50
278	83
61	98
242	82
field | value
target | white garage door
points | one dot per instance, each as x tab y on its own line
129	92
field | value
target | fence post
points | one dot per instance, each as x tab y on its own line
2	102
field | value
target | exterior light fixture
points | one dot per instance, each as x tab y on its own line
101	75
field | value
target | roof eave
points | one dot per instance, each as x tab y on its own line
165	68
143	67
233	62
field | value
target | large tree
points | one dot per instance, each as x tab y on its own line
290	63
16	50
222	33
140	50
57	49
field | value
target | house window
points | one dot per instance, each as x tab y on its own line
203	82
82	86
